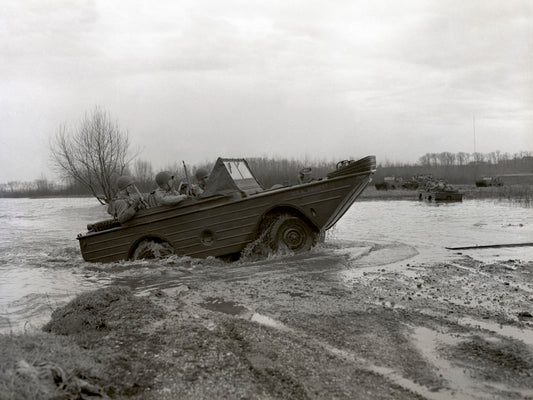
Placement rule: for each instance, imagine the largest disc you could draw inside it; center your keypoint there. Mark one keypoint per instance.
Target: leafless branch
(93, 153)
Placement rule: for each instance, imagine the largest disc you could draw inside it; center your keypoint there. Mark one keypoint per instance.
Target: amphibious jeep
(232, 212)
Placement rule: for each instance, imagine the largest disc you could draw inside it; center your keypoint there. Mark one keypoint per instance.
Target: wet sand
(327, 324)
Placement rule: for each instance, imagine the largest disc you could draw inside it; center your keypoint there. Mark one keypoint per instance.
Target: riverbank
(522, 194)
(313, 326)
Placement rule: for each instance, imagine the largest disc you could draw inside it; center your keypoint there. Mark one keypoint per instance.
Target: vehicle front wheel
(149, 248)
(291, 233)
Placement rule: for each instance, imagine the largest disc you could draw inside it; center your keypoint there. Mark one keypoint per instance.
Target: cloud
(202, 78)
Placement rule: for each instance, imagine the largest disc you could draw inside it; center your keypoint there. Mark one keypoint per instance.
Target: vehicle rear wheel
(150, 248)
(291, 233)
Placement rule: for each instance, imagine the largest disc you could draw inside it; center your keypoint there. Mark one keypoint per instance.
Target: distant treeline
(41, 188)
(459, 168)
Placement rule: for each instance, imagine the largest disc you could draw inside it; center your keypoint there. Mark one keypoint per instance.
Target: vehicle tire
(150, 248)
(291, 233)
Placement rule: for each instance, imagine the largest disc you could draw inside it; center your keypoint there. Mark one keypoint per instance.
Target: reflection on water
(41, 266)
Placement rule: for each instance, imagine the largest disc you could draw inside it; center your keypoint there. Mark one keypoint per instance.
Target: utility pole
(474, 122)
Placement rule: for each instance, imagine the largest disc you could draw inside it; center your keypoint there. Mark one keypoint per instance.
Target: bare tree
(42, 185)
(449, 158)
(425, 160)
(478, 157)
(463, 158)
(446, 158)
(434, 159)
(143, 171)
(13, 185)
(92, 154)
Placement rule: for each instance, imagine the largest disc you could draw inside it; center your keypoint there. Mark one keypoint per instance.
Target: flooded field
(41, 267)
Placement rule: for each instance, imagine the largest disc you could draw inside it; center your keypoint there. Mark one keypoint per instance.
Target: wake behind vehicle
(234, 211)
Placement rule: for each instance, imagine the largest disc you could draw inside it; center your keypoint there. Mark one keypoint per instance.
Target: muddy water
(430, 227)
(41, 267)
(40, 263)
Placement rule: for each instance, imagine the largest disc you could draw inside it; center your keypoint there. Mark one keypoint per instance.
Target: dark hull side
(441, 196)
(224, 225)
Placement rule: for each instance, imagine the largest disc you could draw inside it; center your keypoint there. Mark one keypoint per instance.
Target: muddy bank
(328, 324)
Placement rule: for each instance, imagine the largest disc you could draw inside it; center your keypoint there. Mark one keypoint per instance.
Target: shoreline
(517, 193)
(315, 325)
(521, 192)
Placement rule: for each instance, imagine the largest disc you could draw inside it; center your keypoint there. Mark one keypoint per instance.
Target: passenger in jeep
(128, 201)
(165, 193)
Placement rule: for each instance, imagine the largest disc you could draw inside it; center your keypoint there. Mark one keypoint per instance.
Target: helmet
(201, 174)
(163, 177)
(124, 181)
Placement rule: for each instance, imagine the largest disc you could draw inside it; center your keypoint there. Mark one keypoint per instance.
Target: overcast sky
(194, 80)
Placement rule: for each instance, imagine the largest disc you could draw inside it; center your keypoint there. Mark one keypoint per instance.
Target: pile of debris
(438, 185)
(413, 183)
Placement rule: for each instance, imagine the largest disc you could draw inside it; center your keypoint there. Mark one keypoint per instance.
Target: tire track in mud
(459, 384)
(321, 262)
(390, 375)
(435, 346)
(427, 341)
(288, 287)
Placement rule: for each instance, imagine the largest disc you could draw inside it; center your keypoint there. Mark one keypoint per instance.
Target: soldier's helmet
(201, 174)
(124, 181)
(163, 177)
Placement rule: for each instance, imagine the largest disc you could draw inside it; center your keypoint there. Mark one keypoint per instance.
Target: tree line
(92, 155)
(270, 171)
(42, 187)
(460, 168)
(447, 159)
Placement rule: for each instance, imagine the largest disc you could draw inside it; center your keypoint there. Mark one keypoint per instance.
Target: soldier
(127, 203)
(196, 188)
(201, 177)
(165, 194)
(304, 176)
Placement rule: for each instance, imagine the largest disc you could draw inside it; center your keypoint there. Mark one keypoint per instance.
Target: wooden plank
(490, 246)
